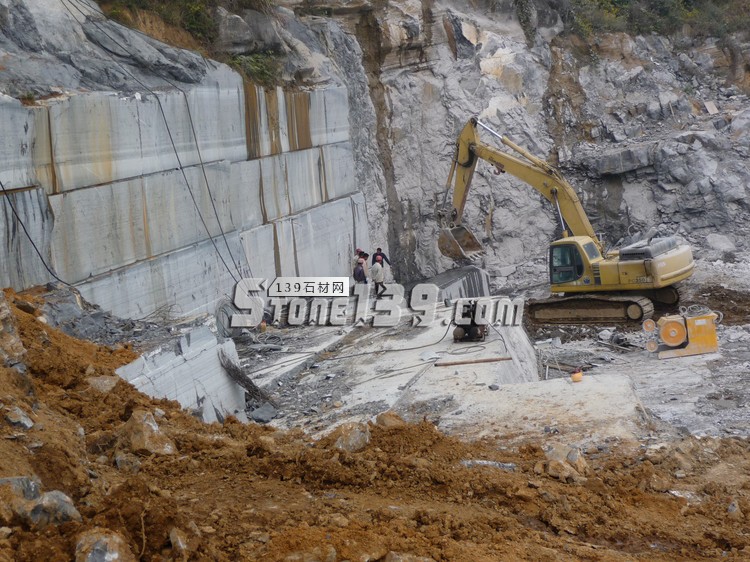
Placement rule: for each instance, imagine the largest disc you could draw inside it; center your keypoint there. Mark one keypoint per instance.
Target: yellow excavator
(588, 284)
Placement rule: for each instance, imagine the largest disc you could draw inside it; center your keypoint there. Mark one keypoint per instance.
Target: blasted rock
(52, 508)
(389, 419)
(720, 243)
(127, 462)
(102, 545)
(18, 418)
(142, 436)
(103, 384)
(264, 414)
(23, 486)
(571, 456)
(351, 437)
(318, 554)
(179, 541)
(623, 160)
(11, 348)
(461, 46)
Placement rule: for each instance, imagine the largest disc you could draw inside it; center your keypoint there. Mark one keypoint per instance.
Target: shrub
(262, 68)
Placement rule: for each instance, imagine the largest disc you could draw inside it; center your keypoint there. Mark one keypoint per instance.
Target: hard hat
(378, 258)
(358, 251)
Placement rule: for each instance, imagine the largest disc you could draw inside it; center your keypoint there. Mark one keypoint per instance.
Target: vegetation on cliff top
(703, 18)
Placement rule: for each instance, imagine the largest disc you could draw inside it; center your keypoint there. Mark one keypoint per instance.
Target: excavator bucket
(458, 243)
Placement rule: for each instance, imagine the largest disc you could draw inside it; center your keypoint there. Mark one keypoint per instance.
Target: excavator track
(590, 308)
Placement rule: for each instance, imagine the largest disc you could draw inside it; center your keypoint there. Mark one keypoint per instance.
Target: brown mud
(247, 492)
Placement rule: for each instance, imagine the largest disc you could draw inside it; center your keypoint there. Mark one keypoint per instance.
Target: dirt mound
(246, 492)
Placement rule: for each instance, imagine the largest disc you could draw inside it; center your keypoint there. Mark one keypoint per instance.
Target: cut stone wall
(271, 180)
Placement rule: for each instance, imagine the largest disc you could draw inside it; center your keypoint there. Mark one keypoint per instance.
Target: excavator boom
(528, 168)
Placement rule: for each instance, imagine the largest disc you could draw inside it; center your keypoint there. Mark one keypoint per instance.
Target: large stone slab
(102, 228)
(98, 229)
(191, 374)
(329, 116)
(179, 213)
(188, 281)
(260, 251)
(324, 240)
(25, 157)
(304, 174)
(103, 137)
(340, 179)
(244, 181)
(20, 265)
(274, 195)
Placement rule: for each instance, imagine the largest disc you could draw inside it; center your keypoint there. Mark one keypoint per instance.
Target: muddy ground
(248, 492)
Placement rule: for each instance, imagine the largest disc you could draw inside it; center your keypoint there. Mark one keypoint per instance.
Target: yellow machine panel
(680, 335)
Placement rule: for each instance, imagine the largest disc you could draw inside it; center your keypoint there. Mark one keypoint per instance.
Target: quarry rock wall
(165, 198)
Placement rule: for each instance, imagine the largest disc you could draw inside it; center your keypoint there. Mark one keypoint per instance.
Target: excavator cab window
(566, 264)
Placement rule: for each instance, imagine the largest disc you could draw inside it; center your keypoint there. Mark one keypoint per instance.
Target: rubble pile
(89, 467)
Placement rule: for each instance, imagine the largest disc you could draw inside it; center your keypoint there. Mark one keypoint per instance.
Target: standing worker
(379, 253)
(377, 274)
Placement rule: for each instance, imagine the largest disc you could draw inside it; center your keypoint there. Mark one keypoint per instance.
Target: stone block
(192, 375)
(304, 174)
(340, 179)
(20, 266)
(25, 153)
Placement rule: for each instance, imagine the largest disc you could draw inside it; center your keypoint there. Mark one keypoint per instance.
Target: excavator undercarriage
(590, 308)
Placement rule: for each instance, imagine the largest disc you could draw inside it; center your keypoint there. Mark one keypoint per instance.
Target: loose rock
(102, 545)
(142, 436)
(351, 437)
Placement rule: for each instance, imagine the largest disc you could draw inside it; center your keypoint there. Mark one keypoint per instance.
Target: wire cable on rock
(28, 235)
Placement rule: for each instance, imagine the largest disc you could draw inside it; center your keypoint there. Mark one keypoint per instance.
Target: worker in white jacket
(377, 274)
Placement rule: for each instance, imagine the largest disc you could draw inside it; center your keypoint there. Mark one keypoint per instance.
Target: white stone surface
(188, 281)
(324, 240)
(104, 137)
(361, 227)
(340, 177)
(24, 145)
(103, 228)
(259, 247)
(171, 218)
(244, 182)
(464, 282)
(401, 376)
(258, 135)
(98, 229)
(193, 376)
(329, 116)
(274, 195)
(285, 247)
(20, 266)
(304, 175)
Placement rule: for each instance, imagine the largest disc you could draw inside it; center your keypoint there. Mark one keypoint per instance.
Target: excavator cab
(458, 243)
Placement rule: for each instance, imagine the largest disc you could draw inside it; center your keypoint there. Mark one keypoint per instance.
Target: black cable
(171, 140)
(23, 226)
(502, 338)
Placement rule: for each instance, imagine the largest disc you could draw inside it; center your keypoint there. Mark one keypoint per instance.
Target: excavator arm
(528, 168)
